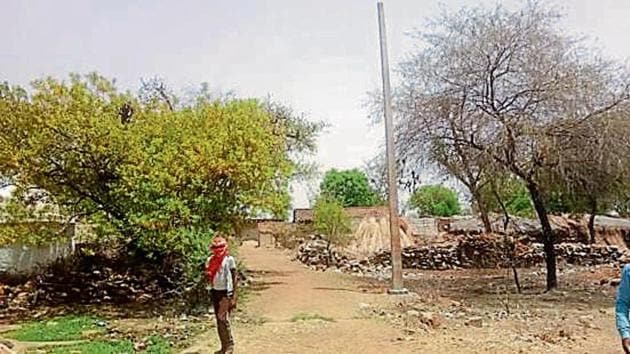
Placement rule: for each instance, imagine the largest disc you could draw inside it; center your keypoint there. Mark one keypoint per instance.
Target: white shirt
(223, 279)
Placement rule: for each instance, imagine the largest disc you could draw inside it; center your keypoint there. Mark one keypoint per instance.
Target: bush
(435, 200)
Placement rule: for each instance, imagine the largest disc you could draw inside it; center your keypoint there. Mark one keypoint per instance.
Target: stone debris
(483, 251)
(474, 321)
(86, 281)
(432, 319)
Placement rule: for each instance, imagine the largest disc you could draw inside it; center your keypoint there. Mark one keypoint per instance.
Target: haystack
(371, 235)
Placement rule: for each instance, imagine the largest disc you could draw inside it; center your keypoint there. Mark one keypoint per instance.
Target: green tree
(350, 187)
(435, 200)
(152, 171)
(333, 223)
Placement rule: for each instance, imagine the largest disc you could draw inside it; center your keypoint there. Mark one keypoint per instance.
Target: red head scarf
(219, 248)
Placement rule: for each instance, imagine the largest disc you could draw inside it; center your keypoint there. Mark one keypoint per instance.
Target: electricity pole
(394, 228)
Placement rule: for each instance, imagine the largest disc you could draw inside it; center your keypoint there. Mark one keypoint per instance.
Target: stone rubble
(85, 281)
(484, 251)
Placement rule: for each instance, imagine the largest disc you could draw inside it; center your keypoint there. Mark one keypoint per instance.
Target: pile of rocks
(425, 257)
(471, 252)
(574, 253)
(85, 280)
(484, 251)
(314, 252)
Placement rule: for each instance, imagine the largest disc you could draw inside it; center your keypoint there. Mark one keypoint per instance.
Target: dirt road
(292, 309)
(297, 310)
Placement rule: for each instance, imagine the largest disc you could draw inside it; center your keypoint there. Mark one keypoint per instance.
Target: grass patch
(311, 317)
(96, 347)
(66, 328)
(155, 345)
(158, 345)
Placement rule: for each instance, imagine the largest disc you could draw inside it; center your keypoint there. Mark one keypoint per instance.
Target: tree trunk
(516, 281)
(510, 245)
(591, 219)
(483, 212)
(506, 214)
(548, 237)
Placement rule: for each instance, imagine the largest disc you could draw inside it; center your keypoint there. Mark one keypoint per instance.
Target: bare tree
(511, 87)
(470, 166)
(408, 175)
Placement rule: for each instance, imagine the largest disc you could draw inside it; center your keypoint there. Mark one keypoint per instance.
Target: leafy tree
(349, 187)
(436, 200)
(331, 220)
(151, 171)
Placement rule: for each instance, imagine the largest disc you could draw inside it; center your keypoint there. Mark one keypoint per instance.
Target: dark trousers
(223, 325)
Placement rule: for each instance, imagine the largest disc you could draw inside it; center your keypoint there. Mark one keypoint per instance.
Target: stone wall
(18, 259)
(248, 231)
(470, 252)
(268, 231)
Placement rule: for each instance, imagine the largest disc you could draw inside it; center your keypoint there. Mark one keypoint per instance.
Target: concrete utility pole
(394, 228)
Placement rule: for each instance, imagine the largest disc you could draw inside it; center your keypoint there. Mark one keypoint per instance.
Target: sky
(321, 57)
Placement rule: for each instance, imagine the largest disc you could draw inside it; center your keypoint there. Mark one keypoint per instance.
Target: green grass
(97, 347)
(66, 328)
(155, 345)
(71, 328)
(159, 345)
(311, 317)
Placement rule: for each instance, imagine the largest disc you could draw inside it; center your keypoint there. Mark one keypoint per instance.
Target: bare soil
(354, 315)
(578, 318)
(283, 291)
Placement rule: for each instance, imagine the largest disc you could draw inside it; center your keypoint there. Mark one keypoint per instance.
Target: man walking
(622, 307)
(222, 274)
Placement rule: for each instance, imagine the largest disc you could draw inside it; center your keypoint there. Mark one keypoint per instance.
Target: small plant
(300, 317)
(333, 223)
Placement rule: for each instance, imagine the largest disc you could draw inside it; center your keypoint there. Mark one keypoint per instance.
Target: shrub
(333, 223)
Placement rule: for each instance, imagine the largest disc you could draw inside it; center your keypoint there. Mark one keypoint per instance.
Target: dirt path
(285, 293)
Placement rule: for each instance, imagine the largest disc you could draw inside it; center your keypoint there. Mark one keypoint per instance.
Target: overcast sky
(321, 57)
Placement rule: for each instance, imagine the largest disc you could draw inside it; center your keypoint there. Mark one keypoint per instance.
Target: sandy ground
(579, 319)
(284, 290)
